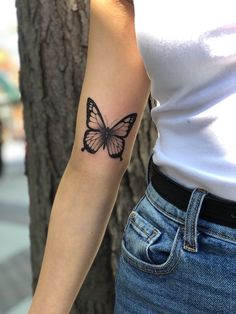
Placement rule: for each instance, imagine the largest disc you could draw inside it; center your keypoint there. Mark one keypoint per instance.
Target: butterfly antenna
(105, 118)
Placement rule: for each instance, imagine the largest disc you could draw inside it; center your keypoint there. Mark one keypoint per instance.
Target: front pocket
(146, 244)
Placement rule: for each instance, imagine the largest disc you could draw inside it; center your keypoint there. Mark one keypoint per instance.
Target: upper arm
(115, 79)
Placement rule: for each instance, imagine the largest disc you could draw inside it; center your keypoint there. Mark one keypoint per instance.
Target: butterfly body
(99, 134)
(105, 136)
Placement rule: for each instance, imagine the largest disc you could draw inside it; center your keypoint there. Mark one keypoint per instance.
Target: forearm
(78, 220)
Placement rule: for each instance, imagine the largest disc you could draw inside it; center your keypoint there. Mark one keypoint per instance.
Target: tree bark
(53, 46)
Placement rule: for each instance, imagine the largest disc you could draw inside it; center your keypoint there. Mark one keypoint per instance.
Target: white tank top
(189, 51)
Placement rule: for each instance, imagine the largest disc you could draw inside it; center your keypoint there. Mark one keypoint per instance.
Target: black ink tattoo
(99, 134)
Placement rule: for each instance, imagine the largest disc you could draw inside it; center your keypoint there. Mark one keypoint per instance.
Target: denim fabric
(174, 262)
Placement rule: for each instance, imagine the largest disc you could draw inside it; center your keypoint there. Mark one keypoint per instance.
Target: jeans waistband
(189, 217)
(213, 208)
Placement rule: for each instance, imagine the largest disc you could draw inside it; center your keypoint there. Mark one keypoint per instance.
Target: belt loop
(148, 174)
(191, 219)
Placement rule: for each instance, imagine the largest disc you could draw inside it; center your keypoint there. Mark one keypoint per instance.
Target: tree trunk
(53, 46)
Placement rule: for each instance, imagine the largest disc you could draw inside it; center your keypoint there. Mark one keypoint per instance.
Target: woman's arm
(116, 81)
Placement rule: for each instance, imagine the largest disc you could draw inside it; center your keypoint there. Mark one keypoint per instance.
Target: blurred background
(15, 269)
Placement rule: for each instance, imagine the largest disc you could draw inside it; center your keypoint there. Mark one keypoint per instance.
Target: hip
(172, 262)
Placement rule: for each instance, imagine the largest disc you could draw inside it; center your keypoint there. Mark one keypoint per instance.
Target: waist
(212, 172)
(214, 209)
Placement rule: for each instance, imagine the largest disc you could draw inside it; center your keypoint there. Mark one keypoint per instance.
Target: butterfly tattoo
(99, 134)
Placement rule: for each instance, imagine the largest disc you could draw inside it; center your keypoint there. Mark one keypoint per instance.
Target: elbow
(97, 166)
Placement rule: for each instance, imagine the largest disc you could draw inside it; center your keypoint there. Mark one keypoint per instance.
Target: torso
(189, 51)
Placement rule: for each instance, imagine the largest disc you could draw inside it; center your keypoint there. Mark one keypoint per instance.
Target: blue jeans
(174, 262)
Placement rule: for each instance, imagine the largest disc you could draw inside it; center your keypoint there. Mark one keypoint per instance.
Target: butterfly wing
(93, 140)
(93, 137)
(115, 146)
(123, 127)
(115, 142)
(94, 119)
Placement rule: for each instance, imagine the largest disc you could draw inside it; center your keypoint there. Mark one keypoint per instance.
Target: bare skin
(115, 76)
